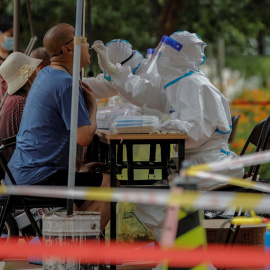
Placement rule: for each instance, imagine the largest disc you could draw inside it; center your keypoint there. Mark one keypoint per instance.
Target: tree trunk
(260, 40)
(221, 61)
(167, 20)
(154, 8)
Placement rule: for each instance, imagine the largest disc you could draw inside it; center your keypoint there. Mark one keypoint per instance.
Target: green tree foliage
(233, 20)
(237, 21)
(143, 22)
(45, 14)
(128, 20)
(6, 7)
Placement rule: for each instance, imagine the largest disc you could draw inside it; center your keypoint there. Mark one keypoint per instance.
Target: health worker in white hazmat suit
(195, 105)
(131, 83)
(197, 108)
(119, 51)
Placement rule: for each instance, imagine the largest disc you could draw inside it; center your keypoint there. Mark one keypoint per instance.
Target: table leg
(130, 162)
(181, 153)
(165, 151)
(103, 153)
(113, 184)
(119, 162)
(152, 157)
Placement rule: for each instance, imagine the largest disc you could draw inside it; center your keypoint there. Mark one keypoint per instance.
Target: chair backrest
(259, 137)
(255, 137)
(235, 120)
(3, 162)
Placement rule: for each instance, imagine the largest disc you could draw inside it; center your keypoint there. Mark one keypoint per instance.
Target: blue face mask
(8, 43)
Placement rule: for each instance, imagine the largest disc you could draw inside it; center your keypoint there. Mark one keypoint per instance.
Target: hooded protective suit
(119, 51)
(197, 108)
(136, 86)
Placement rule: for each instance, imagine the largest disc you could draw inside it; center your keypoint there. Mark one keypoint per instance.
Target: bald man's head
(41, 53)
(56, 37)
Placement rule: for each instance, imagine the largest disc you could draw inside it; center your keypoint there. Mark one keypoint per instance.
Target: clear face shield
(165, 44)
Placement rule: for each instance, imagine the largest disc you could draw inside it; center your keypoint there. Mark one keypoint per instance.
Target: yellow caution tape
(248, 201)
(199, 167)
(99, 194)
(186, 198)
(240, 182)
(192, 234)
(246, 220)
(215, 200)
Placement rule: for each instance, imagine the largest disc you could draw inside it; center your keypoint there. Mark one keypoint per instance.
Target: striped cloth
(10, 120)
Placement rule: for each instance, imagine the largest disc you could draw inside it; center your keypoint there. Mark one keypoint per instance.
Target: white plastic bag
(104, 115)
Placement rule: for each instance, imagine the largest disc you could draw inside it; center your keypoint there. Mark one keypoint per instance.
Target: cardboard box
(248, 235)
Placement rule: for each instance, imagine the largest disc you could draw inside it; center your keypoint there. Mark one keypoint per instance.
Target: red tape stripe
(118, 253)
(254, 103)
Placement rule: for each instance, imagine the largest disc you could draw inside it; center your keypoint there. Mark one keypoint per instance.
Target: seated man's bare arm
(85, 134)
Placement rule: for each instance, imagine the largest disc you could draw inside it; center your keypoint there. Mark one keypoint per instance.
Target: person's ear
(67, 49)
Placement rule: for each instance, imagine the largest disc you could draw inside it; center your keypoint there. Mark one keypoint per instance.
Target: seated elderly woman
(19, 71)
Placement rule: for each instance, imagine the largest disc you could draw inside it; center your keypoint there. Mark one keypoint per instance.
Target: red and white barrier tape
(246, 160)
(240, 182)
(196, 199)
(93, 252)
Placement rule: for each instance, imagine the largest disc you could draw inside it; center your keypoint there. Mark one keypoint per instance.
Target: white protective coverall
(200, 110)
(196, 107)
(130, 81)
(119, 51)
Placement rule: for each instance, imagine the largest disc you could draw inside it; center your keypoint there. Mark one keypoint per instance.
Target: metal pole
(33, 38)
(83, 19)
(90, 38)
(74, 104)
(16, 25)
(30, 17)
(83, 32)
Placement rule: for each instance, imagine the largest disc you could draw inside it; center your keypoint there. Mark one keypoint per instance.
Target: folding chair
(259, 137)
(235, 120)
(11, 203)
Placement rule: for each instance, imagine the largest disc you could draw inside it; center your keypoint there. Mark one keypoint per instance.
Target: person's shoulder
(197, 83)
(54, 76)
(44, 72)
(196, 79)
(203, 85)
(14, 100)
(15, 97)
(48, 70)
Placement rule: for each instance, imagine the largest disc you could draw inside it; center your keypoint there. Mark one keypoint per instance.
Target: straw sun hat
(17, 69)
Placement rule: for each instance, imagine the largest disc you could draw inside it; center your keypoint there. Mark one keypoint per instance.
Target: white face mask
(8, 43)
